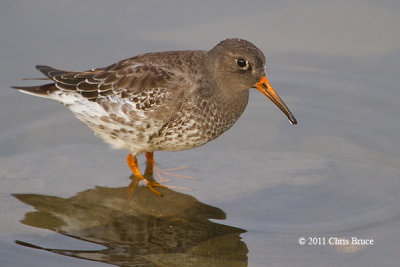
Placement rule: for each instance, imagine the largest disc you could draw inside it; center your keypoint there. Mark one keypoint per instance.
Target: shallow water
(258, 188)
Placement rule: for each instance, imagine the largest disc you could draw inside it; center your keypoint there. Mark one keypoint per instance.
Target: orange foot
(150, 168)
(133, 164)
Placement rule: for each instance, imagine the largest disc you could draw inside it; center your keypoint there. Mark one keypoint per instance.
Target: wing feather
(146, 86)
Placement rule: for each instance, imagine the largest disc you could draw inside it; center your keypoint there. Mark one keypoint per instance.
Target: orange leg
(160, 173)
(133, 164)
(150, 161)
(152, 167)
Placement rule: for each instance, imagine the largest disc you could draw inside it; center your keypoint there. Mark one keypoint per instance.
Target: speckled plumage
(163, 101)
(157, 101)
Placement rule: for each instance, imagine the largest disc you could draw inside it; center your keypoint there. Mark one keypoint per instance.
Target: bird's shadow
(144, 230)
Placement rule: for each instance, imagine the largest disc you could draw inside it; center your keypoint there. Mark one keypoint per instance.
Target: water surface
(258, 189)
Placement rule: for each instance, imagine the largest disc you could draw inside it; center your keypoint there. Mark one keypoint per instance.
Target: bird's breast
(201, 120)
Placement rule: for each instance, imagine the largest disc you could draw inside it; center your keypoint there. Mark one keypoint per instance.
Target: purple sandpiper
(165, 100)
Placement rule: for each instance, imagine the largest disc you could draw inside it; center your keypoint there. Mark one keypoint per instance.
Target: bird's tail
(41, 90)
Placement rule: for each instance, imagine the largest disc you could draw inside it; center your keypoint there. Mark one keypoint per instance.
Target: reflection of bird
(143, 231)
(163, 101)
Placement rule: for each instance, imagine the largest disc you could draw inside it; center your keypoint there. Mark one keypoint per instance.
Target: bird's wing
(124, 80)
(149, 88)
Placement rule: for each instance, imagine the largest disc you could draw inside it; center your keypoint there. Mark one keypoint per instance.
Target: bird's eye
(241, 62)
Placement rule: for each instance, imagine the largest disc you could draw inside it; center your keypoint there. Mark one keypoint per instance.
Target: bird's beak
(264, 87)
